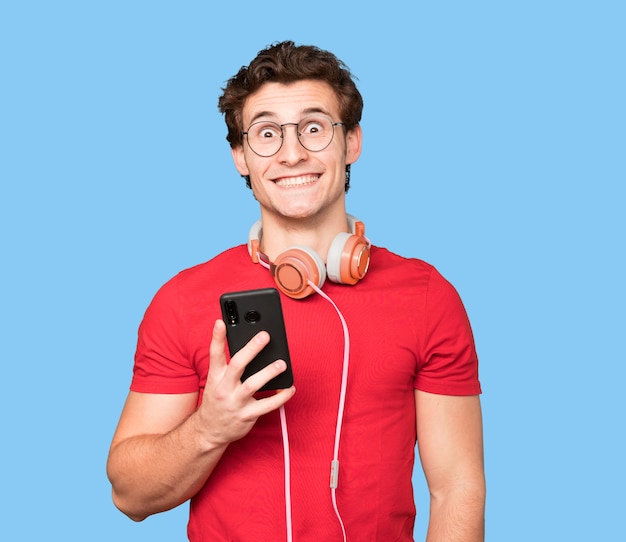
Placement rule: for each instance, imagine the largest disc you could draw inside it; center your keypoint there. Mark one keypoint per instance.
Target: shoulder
(388, 265)
(215, 269)
(186, 284)
(233, 256)
(202, 284)
(409, 277)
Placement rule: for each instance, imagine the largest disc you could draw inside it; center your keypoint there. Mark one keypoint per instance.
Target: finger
(217, 348)
(272, 402)
(255, 382)
(245, 355)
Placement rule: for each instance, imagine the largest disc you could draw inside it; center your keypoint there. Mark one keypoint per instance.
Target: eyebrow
(308, 111)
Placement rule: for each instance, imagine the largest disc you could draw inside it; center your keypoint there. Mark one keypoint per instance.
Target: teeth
(297, 181)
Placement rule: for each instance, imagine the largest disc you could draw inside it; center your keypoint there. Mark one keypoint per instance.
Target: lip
(297, 180)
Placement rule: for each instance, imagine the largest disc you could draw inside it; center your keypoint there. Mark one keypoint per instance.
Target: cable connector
(334, 473)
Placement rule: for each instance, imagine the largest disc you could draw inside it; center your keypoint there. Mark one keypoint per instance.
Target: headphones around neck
(347, 262)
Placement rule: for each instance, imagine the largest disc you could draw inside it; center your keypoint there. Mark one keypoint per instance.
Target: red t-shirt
(408, 330)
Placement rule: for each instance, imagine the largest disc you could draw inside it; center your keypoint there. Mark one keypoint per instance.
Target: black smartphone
(245, 314)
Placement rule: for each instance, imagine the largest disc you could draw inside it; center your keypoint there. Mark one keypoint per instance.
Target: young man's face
(296, 182)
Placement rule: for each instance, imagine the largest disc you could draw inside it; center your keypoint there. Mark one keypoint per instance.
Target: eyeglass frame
(282, 135)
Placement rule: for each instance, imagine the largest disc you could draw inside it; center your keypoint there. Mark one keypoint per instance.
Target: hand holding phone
(245, 314)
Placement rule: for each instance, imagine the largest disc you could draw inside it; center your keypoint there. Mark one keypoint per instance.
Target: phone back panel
(245, 314)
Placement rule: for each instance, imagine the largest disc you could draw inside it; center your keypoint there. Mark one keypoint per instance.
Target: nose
(291, 150)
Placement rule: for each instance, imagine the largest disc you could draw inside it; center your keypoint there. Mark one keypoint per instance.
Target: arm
(449, 434)
(165, 446)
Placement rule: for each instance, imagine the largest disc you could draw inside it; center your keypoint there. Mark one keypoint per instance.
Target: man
(190, 429)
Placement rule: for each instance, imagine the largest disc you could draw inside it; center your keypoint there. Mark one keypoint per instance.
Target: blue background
(494, 149)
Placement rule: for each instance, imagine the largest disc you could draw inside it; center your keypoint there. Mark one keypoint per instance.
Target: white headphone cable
(334, 468)
(283, 426)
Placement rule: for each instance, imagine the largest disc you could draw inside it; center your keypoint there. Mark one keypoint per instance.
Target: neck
(316, 233)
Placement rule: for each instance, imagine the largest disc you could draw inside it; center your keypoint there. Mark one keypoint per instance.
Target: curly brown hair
(285, 62)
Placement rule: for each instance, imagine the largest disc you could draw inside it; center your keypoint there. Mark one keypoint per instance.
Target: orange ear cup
(294, 268)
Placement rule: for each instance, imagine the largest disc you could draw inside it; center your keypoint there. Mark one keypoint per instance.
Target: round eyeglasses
(265, 138)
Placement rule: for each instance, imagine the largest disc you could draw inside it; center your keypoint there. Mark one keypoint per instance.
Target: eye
(265, 131)
(268, 132)
(313, 127)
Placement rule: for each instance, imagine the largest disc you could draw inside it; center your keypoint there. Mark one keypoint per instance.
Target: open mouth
(301, 180)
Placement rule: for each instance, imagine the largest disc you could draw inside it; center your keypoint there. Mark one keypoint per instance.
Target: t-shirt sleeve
(448, 363)
(162, 364)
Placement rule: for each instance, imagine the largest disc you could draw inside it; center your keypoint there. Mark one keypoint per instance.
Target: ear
(354, 140)
(240, 160)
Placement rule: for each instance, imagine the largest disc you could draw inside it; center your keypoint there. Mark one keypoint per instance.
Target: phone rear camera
(231, 313)
(252, 316)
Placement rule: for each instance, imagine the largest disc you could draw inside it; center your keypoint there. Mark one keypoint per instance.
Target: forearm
(458, 515)
(154, 473)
